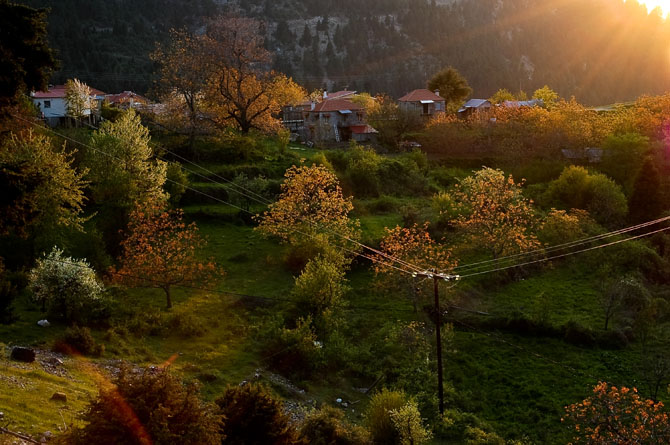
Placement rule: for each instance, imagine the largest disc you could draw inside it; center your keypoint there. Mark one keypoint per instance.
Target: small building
(523, 103)
(474, 106)
(53, 107)
(590, 155)
(337, 120)
(126, 100)
(423, 102)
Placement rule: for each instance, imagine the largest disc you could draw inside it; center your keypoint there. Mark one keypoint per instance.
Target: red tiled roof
(421, 94)
(58, 91)
(362, 129)
(336, 105)
(52, 93)
(124, 97)
(339, 94)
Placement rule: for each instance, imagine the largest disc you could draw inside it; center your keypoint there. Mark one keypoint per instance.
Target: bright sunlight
(651, 4)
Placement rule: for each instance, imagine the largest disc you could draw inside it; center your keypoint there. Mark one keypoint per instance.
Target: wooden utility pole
(437, 277)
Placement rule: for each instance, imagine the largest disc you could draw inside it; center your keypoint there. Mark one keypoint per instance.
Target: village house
(53, 107)
(423, 102)
(474, 106)
(126, 100)
(334, 119)
(338, 120)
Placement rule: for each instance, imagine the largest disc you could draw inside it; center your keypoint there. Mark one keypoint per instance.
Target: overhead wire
(562, 246)
(240, 208)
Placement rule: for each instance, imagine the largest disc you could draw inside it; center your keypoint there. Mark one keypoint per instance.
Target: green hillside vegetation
(223, 284)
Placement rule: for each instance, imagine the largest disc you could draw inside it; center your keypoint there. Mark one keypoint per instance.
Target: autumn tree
(40, 187)
(77, 99)
(453, 87)
(161, 251)
(311, 203)
(183, 74)
(242, 91)
(494, 214)
(415, 246)
(617, 415)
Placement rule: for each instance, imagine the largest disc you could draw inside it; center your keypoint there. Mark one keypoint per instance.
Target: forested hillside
(589, 49)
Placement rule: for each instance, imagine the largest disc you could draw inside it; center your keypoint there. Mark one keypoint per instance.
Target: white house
(51, 104)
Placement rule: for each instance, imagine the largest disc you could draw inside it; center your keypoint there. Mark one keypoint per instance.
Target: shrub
(78, 340)
(66, 287)
(254, 417)
(148, 405)
(176, 183)
(295, 352)
(408, 424)
(596, 193)
(380, 423)
(329, 427)
(579, 335)
(186, 325)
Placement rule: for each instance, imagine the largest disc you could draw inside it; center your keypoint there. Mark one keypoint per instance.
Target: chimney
(325, 94)
(437, 92)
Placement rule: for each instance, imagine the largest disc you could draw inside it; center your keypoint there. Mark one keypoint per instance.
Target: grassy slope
(519, 392)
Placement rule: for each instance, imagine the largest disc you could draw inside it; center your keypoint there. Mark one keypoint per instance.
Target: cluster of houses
(337, 118)
(52, 104)
(334, 118)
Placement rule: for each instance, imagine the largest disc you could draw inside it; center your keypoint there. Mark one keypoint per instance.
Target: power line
(562, 246)
(241, 209)
(565, 254)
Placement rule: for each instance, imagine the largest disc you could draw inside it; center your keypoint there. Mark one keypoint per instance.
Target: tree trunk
(168, 296)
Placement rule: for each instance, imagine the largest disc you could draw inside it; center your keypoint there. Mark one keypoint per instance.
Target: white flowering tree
(67, 287)
(77, 99)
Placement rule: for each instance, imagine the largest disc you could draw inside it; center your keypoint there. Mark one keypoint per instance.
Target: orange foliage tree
(495, 214)
(311, 203)
(617, 416)
(160, 251)
(242, 91)
(412, 245)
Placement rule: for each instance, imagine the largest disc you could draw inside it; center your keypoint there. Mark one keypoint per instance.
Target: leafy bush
(254, 417)
(78, 340)
(380, 423)
(329, 427)
(295, 352)
(579, 335)
(407, 421)
(596, 193)
(67, 288)
(148, 405)
(176, 182)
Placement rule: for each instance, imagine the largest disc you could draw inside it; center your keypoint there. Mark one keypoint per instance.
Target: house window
(47, 104)
(359, 115)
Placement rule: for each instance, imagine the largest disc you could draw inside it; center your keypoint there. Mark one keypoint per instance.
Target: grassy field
(517, 383)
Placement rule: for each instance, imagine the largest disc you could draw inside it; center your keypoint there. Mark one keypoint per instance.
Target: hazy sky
(651, 4)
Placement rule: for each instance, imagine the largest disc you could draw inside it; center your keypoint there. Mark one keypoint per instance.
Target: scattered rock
(59, 397)
(44, 323)
(22, 354)
(345, 404)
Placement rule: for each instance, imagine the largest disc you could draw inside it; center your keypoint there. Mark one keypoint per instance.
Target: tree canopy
(452, 85)
(26, 61)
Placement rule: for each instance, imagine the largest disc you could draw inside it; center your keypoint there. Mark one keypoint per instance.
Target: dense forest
(589, 49)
